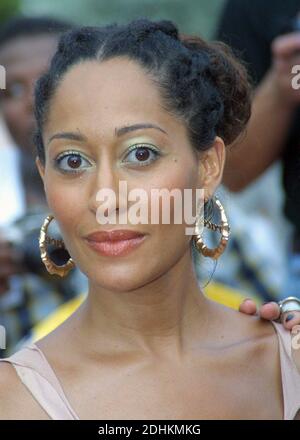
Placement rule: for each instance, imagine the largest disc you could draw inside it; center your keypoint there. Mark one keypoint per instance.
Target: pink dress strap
(37, 375)
(290, 374)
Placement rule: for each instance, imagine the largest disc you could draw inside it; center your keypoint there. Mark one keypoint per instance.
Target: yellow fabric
(226, 295)
(214, 291)
(56, 318)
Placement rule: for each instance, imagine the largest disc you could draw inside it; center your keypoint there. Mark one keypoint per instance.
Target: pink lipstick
(115, 243)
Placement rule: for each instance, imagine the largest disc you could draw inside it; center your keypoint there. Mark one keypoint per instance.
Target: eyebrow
(123, 130)
(68, 135)
(118, 132)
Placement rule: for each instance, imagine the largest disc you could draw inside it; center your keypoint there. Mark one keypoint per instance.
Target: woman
(137, 103)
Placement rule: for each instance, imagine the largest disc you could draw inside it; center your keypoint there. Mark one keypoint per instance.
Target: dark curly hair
(200, 82)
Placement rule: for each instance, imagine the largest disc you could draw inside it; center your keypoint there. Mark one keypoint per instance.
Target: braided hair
(200, 82)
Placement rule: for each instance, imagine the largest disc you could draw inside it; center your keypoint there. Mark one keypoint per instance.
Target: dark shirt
(249, 27)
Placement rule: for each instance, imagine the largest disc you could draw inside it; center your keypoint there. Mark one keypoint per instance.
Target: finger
(248, 307)
(290, 319)
(269, 311)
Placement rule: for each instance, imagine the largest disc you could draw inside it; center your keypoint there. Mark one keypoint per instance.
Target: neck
(167, 314)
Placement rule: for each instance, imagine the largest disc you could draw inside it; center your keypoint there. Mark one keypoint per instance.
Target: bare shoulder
(60, 347)
(16, 402)
(244, 328)
(258, 338)
(253, 347)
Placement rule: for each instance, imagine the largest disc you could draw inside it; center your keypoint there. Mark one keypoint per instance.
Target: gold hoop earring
(224, 229)
(44, 239)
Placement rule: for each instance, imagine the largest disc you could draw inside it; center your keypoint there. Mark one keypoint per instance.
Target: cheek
(170, 239)
(66, 200)
(177, 175)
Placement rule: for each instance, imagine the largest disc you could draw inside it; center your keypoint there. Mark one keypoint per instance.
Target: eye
(72, 162)
(142, 154)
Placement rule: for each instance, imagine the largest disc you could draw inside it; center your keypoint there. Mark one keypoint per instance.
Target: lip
(115, 243)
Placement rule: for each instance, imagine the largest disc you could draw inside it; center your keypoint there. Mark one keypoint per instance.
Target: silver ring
(289, 304)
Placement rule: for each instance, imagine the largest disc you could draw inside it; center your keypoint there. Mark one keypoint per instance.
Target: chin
(123, 279)
(121, 285)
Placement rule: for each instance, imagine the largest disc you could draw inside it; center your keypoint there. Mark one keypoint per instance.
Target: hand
(10, 264)
(271, 312)
(285, 54)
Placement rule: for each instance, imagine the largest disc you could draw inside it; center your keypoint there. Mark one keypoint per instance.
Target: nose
(104, 195)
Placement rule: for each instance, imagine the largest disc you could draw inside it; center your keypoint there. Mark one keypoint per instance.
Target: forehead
(27, 53)
(95, 94)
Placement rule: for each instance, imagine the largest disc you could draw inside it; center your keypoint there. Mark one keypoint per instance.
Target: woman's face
(92, 102)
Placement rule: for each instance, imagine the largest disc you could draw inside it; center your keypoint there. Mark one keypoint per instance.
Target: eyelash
(67, 154)
(153, 149)
(136, 147)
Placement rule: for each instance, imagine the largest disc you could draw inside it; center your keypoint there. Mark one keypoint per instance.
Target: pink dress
(37, 375)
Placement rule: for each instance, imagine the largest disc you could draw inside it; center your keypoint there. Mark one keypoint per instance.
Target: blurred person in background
(27, 293)
(266, 36)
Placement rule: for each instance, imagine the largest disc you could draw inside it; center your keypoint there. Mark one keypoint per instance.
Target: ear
(40, 167)
(211, 166)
